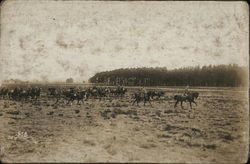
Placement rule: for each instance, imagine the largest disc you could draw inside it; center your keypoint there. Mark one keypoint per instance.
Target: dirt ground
(214, 131)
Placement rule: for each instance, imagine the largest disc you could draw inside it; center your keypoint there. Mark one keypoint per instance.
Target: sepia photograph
(124, 81)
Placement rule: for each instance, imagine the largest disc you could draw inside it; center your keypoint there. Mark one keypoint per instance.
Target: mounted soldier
(186, 91)
(142, 95)
(144, 91)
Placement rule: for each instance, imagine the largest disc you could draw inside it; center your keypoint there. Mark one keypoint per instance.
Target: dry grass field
(112, 130)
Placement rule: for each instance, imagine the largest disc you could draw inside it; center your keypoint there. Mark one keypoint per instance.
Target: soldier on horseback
(186, 91)
(143, 92)
(142, 95)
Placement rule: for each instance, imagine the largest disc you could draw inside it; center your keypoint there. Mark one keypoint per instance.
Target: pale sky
(55, 40)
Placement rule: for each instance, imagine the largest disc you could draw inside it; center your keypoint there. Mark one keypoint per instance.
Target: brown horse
(190, 98)
(138, 97)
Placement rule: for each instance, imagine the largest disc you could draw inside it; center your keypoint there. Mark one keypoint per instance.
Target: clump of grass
(164, 136)
(13, 112)
(89, 142)
(147, 146)
(210, 146)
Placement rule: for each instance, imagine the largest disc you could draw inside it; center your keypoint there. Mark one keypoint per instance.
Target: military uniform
(186, 92)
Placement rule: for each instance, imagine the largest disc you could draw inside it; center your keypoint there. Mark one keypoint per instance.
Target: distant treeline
(220, 76)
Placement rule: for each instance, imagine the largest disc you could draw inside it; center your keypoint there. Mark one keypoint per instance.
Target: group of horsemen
(78, 93)
(23, 93)
(19, 93)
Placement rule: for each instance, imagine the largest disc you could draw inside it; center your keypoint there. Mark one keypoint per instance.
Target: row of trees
(220, 75)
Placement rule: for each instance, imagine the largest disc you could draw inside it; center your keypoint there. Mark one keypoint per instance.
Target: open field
(112, 130)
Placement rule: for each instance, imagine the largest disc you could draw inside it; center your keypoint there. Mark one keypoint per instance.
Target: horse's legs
(194, 102)
(72, 101)
(176, 103)
(62, 100)
(150, 103)
(190, 102)
(68, 101)
(80, 99)
(181, 104)
(133, 102)
(57, 100)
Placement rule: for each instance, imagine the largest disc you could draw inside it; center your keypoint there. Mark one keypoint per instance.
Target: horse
(79, 96)
(72, 95)
(55, 93)
(34, 93)
(120, 91)
(123, 91)
(92, 92)
(14, 94)
(190, 98)
(142, 97)
(4, 93)
(23, 95)
(156, 94)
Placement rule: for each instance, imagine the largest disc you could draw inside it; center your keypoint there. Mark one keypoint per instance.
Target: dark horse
(138, 97)
(190, 98)
(71, 96)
